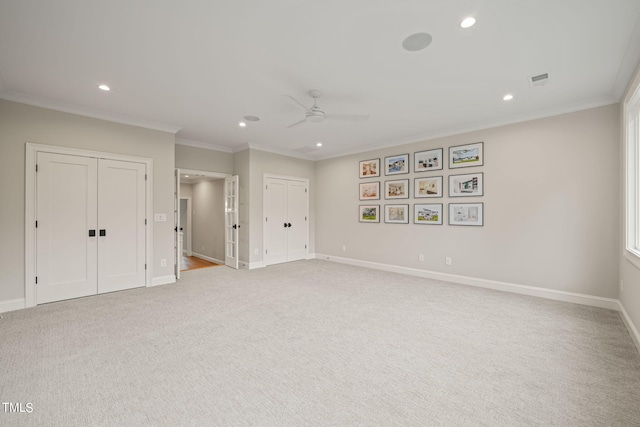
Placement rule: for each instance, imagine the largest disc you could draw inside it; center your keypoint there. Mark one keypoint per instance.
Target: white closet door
(121, 224)
(296, 231)
(275, 208)
(66, 204)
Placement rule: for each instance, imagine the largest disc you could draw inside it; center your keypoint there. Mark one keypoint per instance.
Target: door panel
(66, 209)
(121, 214)
(296, 234)
(275, 206)
(231, 221)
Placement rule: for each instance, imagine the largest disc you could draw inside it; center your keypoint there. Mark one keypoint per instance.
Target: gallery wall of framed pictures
(429, 181)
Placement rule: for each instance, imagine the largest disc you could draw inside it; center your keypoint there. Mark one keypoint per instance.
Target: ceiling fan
(314, 114)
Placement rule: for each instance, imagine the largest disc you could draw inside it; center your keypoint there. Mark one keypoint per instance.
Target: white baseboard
(594, 301)
(633, 331)
(254, 265)
(12, 305)
(206, 258)
(163, 280)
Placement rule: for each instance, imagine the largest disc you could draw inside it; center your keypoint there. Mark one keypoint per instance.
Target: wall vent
(539, 80)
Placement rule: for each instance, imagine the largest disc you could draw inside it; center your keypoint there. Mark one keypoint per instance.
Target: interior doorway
(200, 219)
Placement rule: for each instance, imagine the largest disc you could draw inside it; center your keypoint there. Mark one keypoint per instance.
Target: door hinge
(305, 190)
(36, 224)
(145, 221)
(145, 266)
(305, 218)
(266, 251)
(36, 280)
(36, 167)
(305, 246)
(145, 176)
(266, 219)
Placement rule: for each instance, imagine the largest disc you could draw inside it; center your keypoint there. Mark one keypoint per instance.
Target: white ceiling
(198, 66)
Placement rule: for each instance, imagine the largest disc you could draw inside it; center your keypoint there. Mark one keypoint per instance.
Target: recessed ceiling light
(507, 97)
(319, 144)
(242, 124)
(104, 87)
(468, 22)
(417, 41)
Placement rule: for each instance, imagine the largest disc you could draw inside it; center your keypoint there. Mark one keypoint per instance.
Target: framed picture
(370, 168)
(463, 156)
(468, 185)
(466, 214)
(396, 214)
(395, 165)
(370, 190)
(427, 214)
(369, 213)
(428, 187)
(398, 189)
(430, 160)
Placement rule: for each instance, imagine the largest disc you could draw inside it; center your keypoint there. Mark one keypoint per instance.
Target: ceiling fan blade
(297, 123)
(299, 103)
(347, 117)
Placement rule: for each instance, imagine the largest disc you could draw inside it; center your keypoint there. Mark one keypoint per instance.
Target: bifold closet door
(121, 220)
(66, 218)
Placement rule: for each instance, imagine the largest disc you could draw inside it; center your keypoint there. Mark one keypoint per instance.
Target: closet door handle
(288, 224)
(92, 233)
(103, 233)
(285, 225)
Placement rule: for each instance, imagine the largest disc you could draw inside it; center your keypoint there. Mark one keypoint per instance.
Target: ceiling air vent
(539, 80)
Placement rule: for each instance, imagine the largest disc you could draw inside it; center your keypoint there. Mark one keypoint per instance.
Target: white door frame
(179, 172)
(30, 208)
(266, 176)
(189, 248)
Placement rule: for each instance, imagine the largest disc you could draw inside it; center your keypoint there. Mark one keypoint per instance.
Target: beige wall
(550, 207)
(629, 273)
(207, 219)
(203, 160)
(21, 123)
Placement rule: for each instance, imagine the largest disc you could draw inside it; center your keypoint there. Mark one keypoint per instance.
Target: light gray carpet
(317, 343)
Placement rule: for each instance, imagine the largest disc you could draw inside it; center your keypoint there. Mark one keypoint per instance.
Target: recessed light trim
(468, 22)
(319, 144)
(417, 41)
(507, 97)
(104, 87)
(242, 124)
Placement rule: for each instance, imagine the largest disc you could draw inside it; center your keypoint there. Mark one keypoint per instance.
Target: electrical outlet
(447, 260)
(256, 251)
(344, 248)
(163, 262)
(621, 286)
(421, 257)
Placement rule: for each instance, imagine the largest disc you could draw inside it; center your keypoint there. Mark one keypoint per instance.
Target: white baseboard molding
(207, 258)
(254, 265)
(12, 305)
(633, 331)
(594, 301)
(163, 280)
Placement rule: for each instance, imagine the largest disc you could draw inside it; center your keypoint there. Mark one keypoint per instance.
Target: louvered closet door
(66, 212)
(121, 218)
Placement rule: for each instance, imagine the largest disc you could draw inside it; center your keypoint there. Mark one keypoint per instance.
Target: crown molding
(82, 111)
(285, 153)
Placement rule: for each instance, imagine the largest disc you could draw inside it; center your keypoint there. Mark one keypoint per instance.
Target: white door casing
(286, 219)
(231, 221)
(35, 274)
(176, 208)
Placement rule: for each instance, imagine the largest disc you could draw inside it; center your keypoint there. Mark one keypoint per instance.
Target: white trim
(590, 300)
(12, 305)
(32, 150)
(83, 111)
(207, 258)
(633, 331)
(254, 265)
(220, 175)
(163, 280)
(632, 258)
